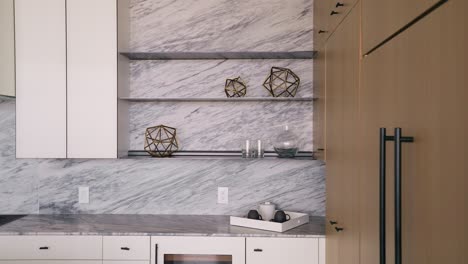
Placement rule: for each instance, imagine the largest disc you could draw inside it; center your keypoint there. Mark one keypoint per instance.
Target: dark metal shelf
(219, 55)
(236, 99)
(187, 154)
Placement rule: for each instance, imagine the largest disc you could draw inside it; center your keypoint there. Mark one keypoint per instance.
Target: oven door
(197, 250)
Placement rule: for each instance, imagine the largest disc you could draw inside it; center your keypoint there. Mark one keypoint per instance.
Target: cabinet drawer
(50, 247)
(282, 250)
(126, 248)
(124, 262)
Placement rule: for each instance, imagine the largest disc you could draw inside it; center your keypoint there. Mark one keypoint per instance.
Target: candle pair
(252, 151)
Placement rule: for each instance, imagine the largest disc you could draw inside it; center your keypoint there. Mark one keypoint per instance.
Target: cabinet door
(342, 144)
(40, 79)
(321, 30)
(207, 250)
(282, 250)
(7, 48)
(382, 18)
(337, 11)
(418, 82)
(319, 105)
(92, 78)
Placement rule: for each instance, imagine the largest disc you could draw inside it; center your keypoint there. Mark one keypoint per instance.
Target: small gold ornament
(282, 82)
(235, 87)
(161, 141)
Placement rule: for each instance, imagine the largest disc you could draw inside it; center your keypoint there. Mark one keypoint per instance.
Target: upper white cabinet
(92, 78)
(7, 48)
(41, 102)
(66, 63)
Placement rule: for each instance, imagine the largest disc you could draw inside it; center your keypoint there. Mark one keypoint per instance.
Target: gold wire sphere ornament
(235, 87)
(161, 141)
(282, 82)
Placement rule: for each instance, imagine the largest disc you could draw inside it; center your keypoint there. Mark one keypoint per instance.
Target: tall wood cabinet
(342, 91)
(417, 82)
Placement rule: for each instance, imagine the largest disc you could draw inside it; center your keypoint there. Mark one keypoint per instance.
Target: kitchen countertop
(148, 225)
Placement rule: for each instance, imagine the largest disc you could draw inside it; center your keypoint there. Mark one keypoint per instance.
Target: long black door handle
(156, 254)
(382, 194)
(399, 139)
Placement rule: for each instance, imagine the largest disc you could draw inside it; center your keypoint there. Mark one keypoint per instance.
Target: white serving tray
(297, 219)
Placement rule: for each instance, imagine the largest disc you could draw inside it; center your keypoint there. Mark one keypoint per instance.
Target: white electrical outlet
(83, 195)
(223, 195)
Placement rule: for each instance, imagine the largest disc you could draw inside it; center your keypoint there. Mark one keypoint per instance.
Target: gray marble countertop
(154, 225)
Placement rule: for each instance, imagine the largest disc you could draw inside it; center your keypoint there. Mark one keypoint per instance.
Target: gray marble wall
(151, 186)
(218, 25)
(181, 186)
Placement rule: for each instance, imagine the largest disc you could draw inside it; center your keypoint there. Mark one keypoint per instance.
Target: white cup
(267, 211)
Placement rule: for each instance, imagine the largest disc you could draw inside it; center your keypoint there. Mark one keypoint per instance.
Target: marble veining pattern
(222, 125)
(163, 225)
(151, 186)
(206, 78)
(221, 25)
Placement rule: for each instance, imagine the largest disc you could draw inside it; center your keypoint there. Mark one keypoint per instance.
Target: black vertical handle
(382, 195)
(156, 254)
(399, 139)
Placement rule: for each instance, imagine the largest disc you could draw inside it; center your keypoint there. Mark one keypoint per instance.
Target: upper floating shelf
(219, 55)
(234, 99)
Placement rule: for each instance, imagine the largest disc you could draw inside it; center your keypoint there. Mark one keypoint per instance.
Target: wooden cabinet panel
(418, 82)
(337, 11)
(382, 18)
(319, 105)
(321, 30)
(40, 79)
(282, 250)
(342, 98)
(92, 78)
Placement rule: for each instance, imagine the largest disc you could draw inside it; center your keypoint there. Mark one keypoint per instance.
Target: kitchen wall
(151, 186)
(188, 186)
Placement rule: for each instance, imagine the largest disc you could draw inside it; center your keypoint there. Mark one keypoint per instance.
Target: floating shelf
(235, 99)
(187, 154)
(218, 55)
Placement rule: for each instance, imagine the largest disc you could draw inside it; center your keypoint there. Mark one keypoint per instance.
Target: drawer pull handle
(338, 4)
(43, 248)
(333, 13)
(322, 31)
(339, 229)
(125, 248)
(258, 250)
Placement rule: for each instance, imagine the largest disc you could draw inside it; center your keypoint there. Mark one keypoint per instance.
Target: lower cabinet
(206, 250)
(282, 250)
(160, 250)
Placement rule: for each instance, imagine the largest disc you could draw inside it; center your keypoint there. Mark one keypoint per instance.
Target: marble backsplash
(151, 186)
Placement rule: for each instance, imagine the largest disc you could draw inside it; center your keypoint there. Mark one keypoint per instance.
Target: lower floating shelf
(188, 154)
(237, 99)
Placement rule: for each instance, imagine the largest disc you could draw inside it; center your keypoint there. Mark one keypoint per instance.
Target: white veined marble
(221, 25)
(206, 78)
(152, 186)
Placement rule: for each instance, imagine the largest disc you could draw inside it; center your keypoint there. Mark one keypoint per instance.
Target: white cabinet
(135, 248)
(50, 248)
(40, 79)
(282, 250)
(7, 48)
(198, 249)
(92, 78)
(66, 76)
(54, 262)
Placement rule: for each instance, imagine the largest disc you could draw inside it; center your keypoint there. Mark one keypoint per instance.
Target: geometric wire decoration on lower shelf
(282, 82)
(161, 141)
(235, 87)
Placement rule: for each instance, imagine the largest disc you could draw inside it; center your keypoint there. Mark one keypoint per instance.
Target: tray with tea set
(295, 220)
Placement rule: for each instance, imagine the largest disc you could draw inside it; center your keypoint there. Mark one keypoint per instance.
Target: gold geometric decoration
(235, 88)
(161, 141)
(282, 82)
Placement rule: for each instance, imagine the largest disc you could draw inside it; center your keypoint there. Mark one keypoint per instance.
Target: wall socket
(223, 195)
(83, 195)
